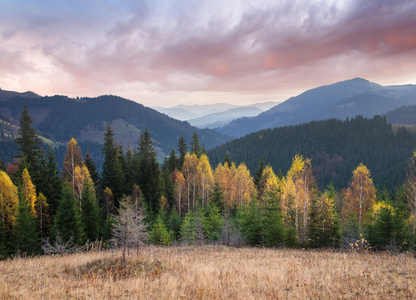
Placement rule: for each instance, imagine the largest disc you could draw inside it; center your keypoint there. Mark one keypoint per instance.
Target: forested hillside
(405, 115)
(335, 146)
(59, 118)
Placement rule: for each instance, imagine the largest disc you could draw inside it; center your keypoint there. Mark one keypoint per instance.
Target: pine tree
(150, 176)
(90, 214)
(159, 234)
(67, 222)
(192, 229)
(217, 197)
(26, 238)
(51, 186)
(227, 158)
(29, 143)
(195, 147)
(92, 169)
(271, 222)
(250, 223)
(182, 149)
(174, 223)
(112, 175)
(213, 224)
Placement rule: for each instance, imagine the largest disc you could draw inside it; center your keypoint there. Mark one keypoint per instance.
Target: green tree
(250, 223)
(26, 238)
(227, 158)
(174, 223)
(92, 169)
(182, 148)
(192, 232)
(112, 175)
(272, 223)
(213, 224)
(67, 222)
(195, 147)
(149, 177)
(324, 228)
(90, 214)
(159, 234)
(29, 143)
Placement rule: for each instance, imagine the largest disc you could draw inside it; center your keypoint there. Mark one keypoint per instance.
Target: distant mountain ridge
(339, 100)
(60, 117)
(218, 112)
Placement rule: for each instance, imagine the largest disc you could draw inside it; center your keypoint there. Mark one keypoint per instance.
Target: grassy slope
(213, 273)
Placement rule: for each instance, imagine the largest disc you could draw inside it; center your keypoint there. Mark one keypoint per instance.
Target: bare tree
(129, 228)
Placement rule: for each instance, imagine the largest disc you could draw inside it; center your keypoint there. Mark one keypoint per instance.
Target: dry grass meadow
(210, 273)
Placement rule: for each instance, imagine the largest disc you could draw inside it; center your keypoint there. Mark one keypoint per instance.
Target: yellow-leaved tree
(207, 178)
(268, 185)
(360, 195)
(73, 158)
(191, 171)
(245, 187)
(28, 192)
(297, 191)
(9, 202)
(81, 179)
(179, 190)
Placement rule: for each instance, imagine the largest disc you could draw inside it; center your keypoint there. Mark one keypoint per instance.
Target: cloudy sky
(166, 52)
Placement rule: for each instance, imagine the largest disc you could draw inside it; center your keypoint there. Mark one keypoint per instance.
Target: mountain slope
(326, 102)
(336, 147)
(405, 115)
(59, 117)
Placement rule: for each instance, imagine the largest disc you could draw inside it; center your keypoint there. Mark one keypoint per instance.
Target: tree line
(134, 200)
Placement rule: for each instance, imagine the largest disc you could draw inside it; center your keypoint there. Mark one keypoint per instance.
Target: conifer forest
(135, 200)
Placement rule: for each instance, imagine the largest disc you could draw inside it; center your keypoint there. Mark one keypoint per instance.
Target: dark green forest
(335, 147)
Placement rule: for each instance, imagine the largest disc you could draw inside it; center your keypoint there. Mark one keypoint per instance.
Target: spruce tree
(182, 149)
(112, 175)
(272, 224)
(149, 177)
(250, 223)
(26, 237)
(90, 214)
(52, 183)
(195, 147)
(92, 168)
(29, 143)
(213, 224)
(159, 234)
(227, 159)
(67, 221)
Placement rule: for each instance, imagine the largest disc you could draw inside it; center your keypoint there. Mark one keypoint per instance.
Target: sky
(168, 52)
